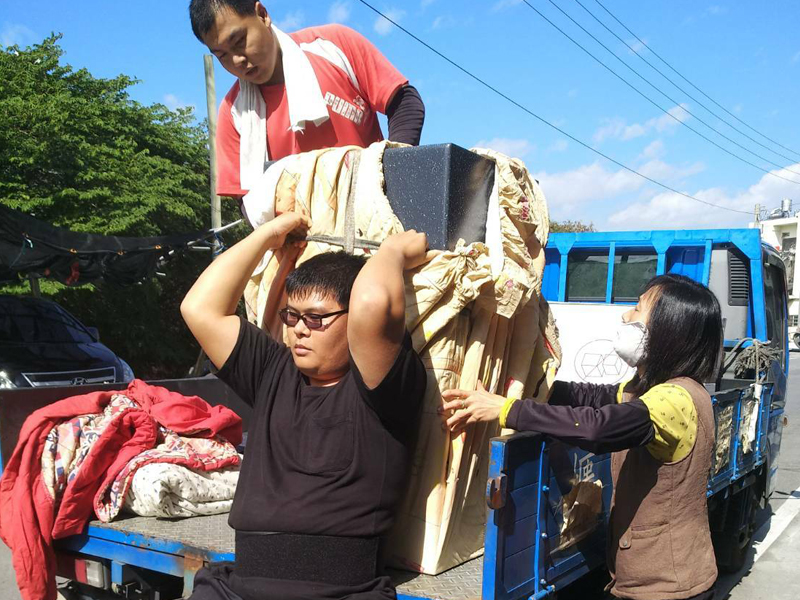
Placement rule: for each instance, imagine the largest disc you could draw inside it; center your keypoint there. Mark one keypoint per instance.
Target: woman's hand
(470, 407)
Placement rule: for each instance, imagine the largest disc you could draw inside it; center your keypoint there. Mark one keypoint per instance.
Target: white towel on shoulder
(306, 105)
(249, 111)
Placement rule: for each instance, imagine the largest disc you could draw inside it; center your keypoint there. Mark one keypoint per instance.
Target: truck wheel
(732, 543)
(796, 340)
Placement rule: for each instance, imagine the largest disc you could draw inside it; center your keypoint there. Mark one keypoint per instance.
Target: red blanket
(30, 518)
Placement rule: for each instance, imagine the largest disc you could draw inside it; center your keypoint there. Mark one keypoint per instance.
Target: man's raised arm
(376, 319)
(209, 308)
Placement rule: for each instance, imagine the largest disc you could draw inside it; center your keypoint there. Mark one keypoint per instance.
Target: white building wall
(773, 232)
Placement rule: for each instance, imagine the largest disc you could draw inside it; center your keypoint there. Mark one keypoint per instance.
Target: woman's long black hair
(685, 333)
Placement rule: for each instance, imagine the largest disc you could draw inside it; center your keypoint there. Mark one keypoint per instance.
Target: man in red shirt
(319, 87)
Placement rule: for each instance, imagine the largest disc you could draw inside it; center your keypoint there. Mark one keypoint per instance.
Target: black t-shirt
(320, 460)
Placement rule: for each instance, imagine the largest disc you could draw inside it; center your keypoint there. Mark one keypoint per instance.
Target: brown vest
(659, 541)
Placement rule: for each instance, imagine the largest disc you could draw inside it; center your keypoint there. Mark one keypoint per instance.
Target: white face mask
(630, 342)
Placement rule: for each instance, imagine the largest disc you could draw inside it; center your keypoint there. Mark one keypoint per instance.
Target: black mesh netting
(31, 247)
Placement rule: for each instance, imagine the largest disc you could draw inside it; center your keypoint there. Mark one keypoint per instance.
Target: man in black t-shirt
(333, 415)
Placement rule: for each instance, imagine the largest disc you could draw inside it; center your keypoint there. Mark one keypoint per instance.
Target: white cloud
(618, 128)
(443, 21)
(716, 9)
(516, 148)
(667, 210)
(618, 199)
(572, 93)
(654, 149)
(558, 146)
(339, 12)
(668, 121)
(595, 183)
(588, 183)
(383, 26)
(292, 21)
(172, 102)
(796, 57)
(17, 35)
(633, 131)
(637, 46)
(426, 3)
(503, 4)
(661, 171)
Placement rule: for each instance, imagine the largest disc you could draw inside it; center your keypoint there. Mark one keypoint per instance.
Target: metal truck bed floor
(210, 534)
(460, 583)
(211, 537)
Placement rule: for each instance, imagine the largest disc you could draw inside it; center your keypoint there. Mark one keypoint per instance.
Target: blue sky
(745, 55)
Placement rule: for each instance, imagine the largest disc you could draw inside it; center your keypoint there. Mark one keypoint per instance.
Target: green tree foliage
(76, 151)
(570, 226)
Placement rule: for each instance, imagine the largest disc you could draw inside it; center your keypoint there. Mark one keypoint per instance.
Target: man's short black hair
(330, 274)
(203, 13)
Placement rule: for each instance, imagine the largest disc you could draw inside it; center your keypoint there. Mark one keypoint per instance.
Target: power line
(660, 72)
(795, 152)
(543, 120)
(653, 102)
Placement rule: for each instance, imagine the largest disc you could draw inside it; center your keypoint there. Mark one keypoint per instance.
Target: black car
(41, 344)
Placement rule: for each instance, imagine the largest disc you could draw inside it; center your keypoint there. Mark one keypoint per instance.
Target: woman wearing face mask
(659, 427)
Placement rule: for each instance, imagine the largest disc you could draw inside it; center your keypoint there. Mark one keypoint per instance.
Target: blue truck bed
(179, 547)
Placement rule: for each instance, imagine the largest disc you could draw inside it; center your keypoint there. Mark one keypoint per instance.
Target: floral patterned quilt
(70, 443)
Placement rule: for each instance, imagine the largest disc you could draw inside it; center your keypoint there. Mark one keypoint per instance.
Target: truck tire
(732, 543)
(796, 340)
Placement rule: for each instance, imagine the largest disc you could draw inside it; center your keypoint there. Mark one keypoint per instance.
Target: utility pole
(36, 291)
(757, 214)
(211, 106)
(216, 214)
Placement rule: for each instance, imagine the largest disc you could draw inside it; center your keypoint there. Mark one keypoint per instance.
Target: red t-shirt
(353, 118)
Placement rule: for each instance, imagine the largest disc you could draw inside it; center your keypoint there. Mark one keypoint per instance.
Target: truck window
(587, 274)
(632, 270)
(775, 301)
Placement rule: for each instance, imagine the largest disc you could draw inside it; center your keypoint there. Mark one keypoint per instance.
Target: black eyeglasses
(290, 318)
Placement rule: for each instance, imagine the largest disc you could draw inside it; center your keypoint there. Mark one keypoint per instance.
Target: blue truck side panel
(526, 554)
(552, 268)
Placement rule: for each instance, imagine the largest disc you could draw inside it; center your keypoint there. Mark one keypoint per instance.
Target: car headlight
(127, 372)
(5, 381)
